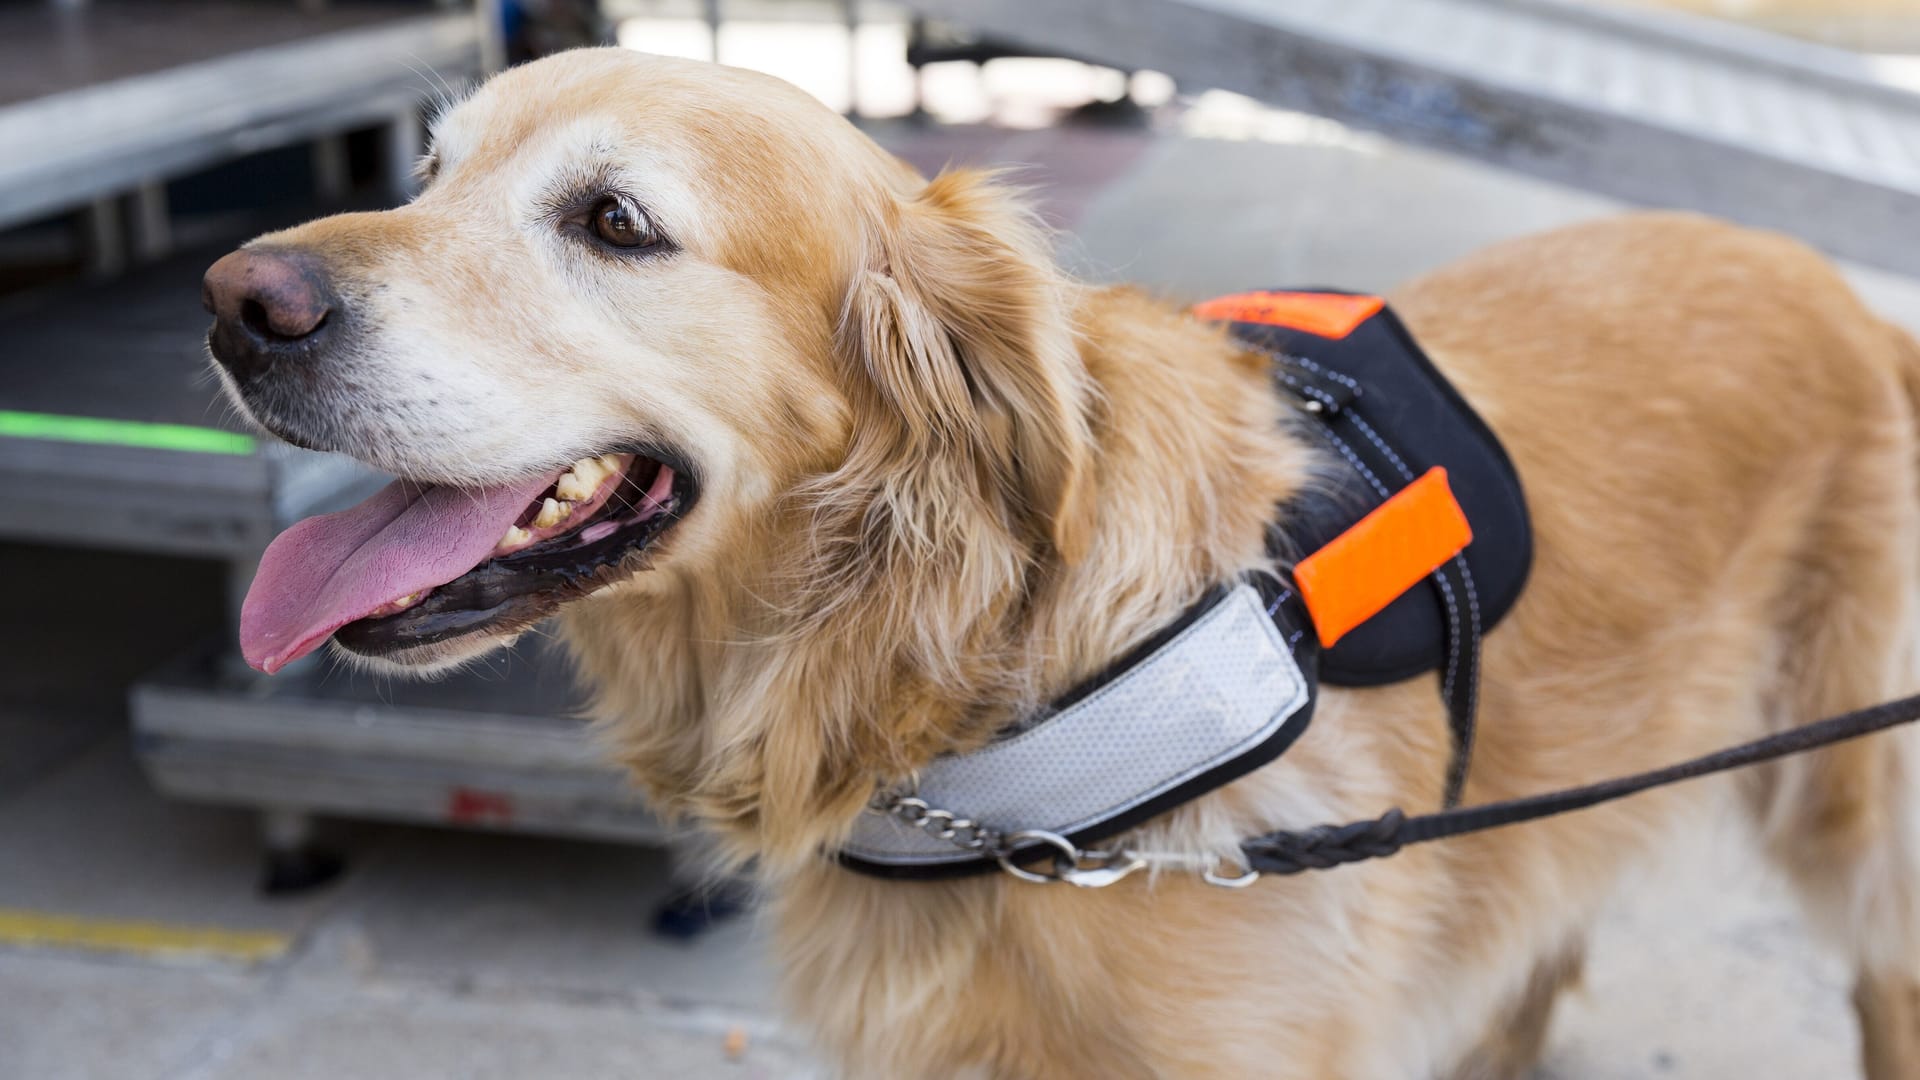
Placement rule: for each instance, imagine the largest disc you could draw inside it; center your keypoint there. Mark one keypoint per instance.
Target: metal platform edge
(167, 501)
(202, 742)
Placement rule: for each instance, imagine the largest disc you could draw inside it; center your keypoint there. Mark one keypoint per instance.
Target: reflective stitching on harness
(1354, 460)
(1473, 612)
(1374, 437)
(1314, 392)
(1453, 641)
(1285, 595)
(1336, 376)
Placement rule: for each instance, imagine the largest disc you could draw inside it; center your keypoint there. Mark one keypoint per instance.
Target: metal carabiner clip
(1086, 869)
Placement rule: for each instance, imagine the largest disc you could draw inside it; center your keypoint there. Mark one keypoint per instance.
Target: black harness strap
(1327, 396)
(1326, 846)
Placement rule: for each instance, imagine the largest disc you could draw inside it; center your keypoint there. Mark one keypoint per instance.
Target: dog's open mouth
(414, 565)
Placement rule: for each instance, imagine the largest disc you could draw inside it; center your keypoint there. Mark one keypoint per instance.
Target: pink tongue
(327, 571)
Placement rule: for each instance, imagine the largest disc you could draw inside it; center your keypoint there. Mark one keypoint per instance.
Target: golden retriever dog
(825, 469)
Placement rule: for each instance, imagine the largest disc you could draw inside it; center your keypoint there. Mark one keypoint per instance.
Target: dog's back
(1718, 442)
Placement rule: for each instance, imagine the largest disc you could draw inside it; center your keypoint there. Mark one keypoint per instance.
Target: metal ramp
(1641, 105)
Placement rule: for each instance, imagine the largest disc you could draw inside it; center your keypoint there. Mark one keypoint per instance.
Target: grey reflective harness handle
(1326, 846)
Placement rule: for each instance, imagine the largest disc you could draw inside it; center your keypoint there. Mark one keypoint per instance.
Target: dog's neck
(773, 722)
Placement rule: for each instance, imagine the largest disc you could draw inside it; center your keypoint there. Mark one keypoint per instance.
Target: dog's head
(648, 318)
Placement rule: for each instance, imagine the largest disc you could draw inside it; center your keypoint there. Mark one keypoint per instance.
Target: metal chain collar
(1087, 868)
(939, 824)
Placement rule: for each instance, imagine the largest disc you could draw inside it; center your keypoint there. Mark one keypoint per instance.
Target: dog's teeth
(578, 484)
(515, 537)
(584, 478)
(406, 601)
(552, 512)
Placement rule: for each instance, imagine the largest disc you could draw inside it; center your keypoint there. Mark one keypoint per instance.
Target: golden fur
(945, 483)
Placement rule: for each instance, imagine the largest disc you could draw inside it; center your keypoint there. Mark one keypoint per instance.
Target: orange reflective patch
(1327, 315)
(1383, 555)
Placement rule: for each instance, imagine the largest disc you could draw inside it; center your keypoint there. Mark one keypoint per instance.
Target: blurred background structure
(208, 874)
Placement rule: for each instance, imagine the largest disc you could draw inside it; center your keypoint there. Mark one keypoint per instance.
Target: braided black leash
(1326, 846)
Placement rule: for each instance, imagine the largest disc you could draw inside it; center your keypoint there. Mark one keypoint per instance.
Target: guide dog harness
(1393, 564)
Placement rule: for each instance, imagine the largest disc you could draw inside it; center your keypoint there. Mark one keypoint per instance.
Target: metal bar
(285, 828)
(406, 137)
(850, 14)
(492, 31)
(150, 229)
(332, 178)
(103, 231)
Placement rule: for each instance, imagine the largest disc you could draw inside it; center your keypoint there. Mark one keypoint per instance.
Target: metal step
(1642, 105)
(495, 747)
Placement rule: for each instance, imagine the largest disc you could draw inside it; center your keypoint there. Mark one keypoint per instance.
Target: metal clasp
(1086, 869)
(1092, 869)
(1246, 876)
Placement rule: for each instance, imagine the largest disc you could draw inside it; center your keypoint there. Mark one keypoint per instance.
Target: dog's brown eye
(621, 224)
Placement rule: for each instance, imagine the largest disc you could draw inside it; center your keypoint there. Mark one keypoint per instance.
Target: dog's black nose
(267, 305)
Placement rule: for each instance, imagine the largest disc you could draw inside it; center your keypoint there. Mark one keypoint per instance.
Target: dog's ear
(961, 322)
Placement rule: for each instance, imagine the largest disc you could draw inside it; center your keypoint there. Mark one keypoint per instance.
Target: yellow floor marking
(149, 939)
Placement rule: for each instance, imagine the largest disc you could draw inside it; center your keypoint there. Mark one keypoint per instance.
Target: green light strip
(88, 429)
